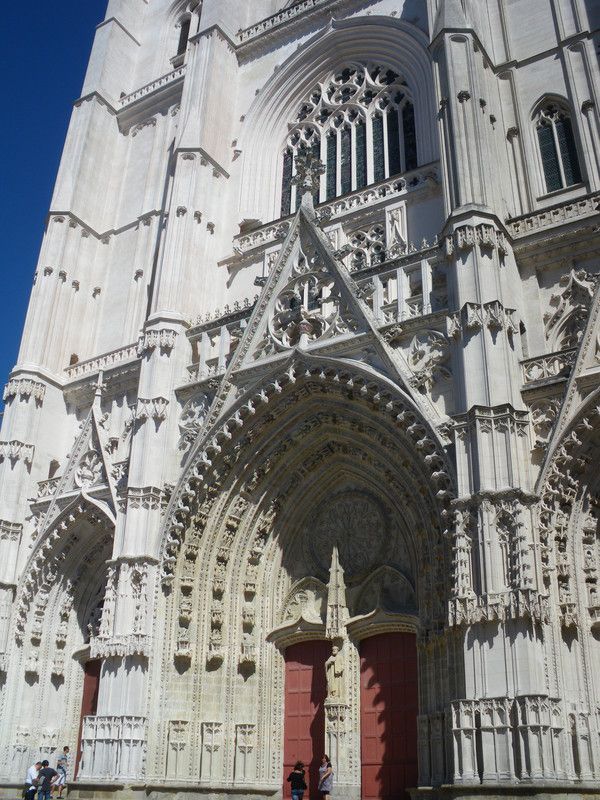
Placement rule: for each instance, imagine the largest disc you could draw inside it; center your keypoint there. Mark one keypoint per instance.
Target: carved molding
(15, 451)
(163, 339)
(153, 408)
(24, 388)
(484, 236)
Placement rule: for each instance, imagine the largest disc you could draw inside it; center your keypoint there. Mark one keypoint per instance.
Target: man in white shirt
(31, 780)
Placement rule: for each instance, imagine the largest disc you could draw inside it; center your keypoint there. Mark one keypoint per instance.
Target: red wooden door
(89, 700)
(304, 716)
(388, 715)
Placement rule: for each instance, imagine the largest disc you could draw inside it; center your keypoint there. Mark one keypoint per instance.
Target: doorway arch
(238, 557)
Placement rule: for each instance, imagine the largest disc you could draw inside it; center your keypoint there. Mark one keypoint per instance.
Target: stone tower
(299, 451)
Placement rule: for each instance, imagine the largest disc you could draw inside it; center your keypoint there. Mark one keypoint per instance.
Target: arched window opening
(184, 35)
(360, 122)
(558, 151)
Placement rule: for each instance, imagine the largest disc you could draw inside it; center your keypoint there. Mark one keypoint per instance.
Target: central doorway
(388, 715)
(304, 716)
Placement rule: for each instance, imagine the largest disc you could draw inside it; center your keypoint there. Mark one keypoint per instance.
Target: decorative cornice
(146, 497)
(132, 644)
(163, 339)
(483, 235)
(60, 217)
(514, 604)
(16, 451)
(474, 317)
(10, 531)
(24, 388)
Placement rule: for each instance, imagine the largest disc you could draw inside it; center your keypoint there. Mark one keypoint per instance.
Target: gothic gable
(311, 304)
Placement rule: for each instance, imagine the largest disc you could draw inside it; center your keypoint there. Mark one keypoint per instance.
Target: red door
(304, 720)
(388, 715)
(89, 701)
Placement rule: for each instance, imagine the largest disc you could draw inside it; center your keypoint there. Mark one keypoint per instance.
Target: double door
(388, 713)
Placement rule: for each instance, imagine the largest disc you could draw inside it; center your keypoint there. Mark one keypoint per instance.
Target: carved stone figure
(334, 667)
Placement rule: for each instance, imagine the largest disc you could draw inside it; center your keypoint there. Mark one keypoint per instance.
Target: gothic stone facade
(312, 353)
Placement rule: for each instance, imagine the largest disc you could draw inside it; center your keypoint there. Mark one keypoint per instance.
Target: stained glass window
(368, 120)
(361, 154)
(558, 151)
(331, 174)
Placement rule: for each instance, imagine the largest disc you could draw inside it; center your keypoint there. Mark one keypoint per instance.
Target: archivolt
(236, 468)
(61, 537)
(570, 504)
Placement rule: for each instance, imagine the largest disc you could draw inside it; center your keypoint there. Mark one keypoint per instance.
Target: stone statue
(334, 667)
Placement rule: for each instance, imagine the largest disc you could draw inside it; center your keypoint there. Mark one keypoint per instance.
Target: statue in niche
(397, 225)
(334, 668)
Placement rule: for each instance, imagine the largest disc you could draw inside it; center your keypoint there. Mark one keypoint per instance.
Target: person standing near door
(46, 778)
(297, 780)
(62, 767)
(31, 781)
(325, 777)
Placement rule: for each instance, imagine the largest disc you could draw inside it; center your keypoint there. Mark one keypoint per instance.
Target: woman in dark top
(296, 778)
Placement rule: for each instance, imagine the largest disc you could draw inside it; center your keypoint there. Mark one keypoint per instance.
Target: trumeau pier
(300, 450)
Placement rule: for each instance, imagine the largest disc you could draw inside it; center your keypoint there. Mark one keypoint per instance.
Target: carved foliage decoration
(191, 419)
(309, 307)
(569, 308)
(306, 600)
(543, 417)
(428, 354)
(89, 471)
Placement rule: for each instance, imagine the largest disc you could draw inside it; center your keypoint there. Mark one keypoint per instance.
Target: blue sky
(45, 48)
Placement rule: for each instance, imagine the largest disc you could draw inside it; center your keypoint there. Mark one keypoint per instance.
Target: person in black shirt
(296, 778)
(46, 777)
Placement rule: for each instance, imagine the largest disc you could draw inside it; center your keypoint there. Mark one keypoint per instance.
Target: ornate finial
(99, 389)
(309, 169)
(337, 611)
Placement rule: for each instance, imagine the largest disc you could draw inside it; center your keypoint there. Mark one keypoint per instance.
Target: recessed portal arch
(244, 576)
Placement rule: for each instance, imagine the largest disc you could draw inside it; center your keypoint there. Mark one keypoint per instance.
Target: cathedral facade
(299, 455)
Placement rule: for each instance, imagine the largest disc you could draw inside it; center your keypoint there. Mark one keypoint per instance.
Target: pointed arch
(313, 442)
(556, 143)
(320, 374)
(55, 544)
(393, 43)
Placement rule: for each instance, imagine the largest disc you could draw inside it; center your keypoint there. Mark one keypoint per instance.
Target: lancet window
(558, 150)
(360, 122)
